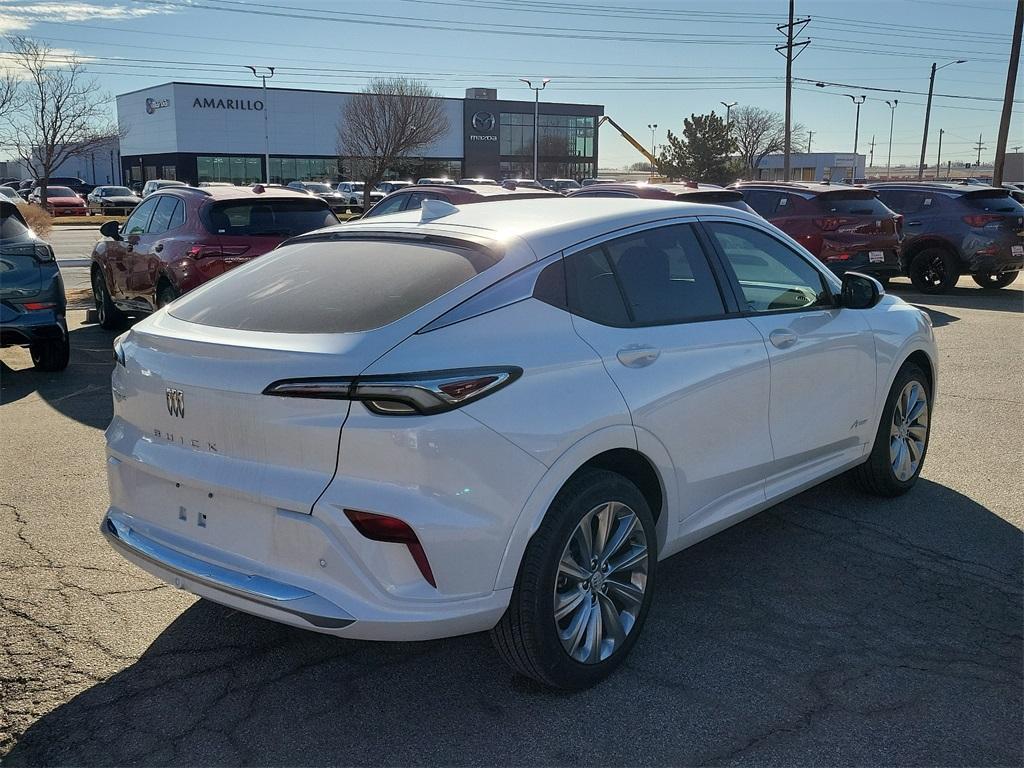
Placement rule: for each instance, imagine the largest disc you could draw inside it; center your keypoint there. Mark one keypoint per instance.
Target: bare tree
(759, 132)
(9, 92)
(60, 114)
(391, 119)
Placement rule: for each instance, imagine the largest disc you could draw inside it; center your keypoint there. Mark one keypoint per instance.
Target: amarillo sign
(254, 105)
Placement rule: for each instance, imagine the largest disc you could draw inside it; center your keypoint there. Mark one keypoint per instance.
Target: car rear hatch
(994, 209)
(191, 407)
(21, 275)
(857, 229)
(727, 197)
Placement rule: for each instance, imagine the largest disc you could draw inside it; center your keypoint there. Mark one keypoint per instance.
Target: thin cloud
(47, 11)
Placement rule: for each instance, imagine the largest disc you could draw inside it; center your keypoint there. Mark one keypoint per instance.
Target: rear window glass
(854, 204)
(284, 218)
(59, 192)
(11, 226)
(997, 202)
(333, 286)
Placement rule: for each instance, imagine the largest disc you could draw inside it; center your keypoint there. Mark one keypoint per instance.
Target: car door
(822, 356)
(694, 374)
(146, 262)
(121, 253)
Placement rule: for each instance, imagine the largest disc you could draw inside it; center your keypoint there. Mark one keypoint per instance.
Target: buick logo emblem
(176, 403)
(483, 122)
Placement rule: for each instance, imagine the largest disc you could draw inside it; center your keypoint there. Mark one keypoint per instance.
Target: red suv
(180, 237)
(847, 228)
(411, 198)
(686, 192)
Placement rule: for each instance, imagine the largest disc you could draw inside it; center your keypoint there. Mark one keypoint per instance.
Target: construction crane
(636, 144)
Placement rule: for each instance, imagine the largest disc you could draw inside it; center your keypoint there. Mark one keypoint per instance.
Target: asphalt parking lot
(833, 629)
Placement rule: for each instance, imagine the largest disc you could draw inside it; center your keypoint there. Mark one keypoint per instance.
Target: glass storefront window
(560, 136)
(286, 169)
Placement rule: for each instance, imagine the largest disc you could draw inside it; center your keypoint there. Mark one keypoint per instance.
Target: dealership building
(197, 132)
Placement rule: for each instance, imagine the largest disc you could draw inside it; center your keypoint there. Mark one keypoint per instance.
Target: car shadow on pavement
(77, 391)
(832, 629)
(1010, 299)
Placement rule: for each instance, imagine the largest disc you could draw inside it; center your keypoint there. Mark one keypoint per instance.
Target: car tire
(900, 437)
(165, 293)
(994, 280)
(51, 354)
(109, 316)
(561, 652)
(934, 270)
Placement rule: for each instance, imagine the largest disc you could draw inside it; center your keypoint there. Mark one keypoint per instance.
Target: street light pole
(856, 129)
(938, 158)
(536, 115)
(928, 112)
(266, 125)
(653, 127)
(728, 115)
(892, 117)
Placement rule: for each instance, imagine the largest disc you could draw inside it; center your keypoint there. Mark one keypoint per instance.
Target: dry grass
(38, 219)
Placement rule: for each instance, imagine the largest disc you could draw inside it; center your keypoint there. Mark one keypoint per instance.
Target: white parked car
(501, 417)
(353, 192)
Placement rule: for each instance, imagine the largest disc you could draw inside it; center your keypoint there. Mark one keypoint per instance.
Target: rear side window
(909, 201)
(853, 204)
(763, 201)
(282, 218)
(333, 286)
(11, 224)
(656, 277)
(388, 205)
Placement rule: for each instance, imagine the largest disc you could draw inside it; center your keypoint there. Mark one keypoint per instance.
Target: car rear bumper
(1002, 252)
(21, 328)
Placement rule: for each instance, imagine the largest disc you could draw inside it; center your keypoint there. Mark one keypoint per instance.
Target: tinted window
(388, 205)
(665, 276)
(593, 289)
(161, 220)
(771, 276)
(597, 192)
(853, 204)
(11, 225)
(996, 202)
(268, 217)
(762, 201)
(415, 199)
(58, 192)
(907, 201)
(136, 224)
(334, 286)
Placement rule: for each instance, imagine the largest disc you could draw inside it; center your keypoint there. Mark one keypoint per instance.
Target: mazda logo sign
(176, 403)
(483, 122)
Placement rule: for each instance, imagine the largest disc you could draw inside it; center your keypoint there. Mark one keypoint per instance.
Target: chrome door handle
(637, 355)
(781, 338)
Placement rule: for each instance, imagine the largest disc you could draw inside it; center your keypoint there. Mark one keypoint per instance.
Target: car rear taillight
(404, 395)
(38, 306)
(838, 257)
(201, 251)
(983, 219)
(394, 531)
(830, 223)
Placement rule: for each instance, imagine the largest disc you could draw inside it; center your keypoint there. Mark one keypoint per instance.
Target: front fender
(900, 329)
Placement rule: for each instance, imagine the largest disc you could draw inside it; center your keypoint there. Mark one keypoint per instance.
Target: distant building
(1013, 166)
(100, 166)
(813, 166)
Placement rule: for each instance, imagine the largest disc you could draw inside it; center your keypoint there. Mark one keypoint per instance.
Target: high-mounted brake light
(412, 394)
(394, 531)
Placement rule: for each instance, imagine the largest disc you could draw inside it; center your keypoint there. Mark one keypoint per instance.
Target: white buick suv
(501, 418)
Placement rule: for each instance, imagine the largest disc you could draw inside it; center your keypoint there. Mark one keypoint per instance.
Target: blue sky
(647, 61)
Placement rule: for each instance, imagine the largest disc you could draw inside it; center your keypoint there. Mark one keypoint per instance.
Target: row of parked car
(181, 236)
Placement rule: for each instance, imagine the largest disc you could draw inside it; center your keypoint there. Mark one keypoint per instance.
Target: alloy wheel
(909, 431)
(602, 577)
(97, 297)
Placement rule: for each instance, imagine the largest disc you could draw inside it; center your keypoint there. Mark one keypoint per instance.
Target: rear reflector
(393, 531)
(35, 306)
(983, 219)
(838, 257)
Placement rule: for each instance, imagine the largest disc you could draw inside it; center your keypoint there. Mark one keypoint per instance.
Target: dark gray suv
(32, 304)
(951, 230)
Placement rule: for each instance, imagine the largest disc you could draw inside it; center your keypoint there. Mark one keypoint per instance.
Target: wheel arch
(926, 242)
(613, 449)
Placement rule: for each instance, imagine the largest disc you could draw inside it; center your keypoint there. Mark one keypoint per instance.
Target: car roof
(547, 225)
(671, 187)
(813, 187)
(940, 186)
(483, 190)
(238, 193)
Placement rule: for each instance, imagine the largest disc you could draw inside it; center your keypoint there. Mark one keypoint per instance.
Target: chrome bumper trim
(317, 610)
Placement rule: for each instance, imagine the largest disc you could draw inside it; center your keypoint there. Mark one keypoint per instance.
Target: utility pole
(810, 135)
(979, 147)
(791, 31)
(938, 159)
(266, 124)
(871, 162)
(949, 168)
(928, 112)
(892, 117)
(1011, 84)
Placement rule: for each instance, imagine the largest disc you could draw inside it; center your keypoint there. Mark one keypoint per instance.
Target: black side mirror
(860, 291)
(111, 229)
